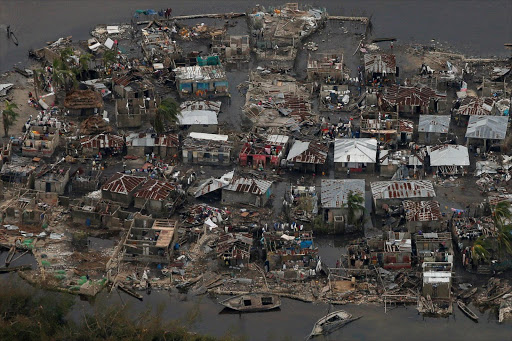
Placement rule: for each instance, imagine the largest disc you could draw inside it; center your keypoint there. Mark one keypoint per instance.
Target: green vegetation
(167, 112)
(354, 205)
(29, 314)
(9, 116)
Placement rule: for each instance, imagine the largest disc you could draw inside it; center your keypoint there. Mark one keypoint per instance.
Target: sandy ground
(19, 95)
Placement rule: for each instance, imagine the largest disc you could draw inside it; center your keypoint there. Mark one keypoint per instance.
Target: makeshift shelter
(83, 102)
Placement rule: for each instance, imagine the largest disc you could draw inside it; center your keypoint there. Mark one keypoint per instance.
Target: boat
(468, 293)
(129, 291)
(331, 322)
(252, 302)
(10, 255)
(467, 311)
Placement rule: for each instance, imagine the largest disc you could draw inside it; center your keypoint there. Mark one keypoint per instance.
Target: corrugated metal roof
(155, 190)
(277, 140)
(103, 141)
(308, 152)
(334, 193)
(200, 73)
(422, 210)
(480, 106)
(487, 127)
(245, 185)
(402, 189)
(212, 137)
(195, 117)
(434, 124)
(380, 63)
(448, 155)
(122, 183)
(201, 105)
(362, 150)
(405, 126)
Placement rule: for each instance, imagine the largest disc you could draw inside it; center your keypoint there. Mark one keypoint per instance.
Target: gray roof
(434, 124)
(448, 155)
(487, 127)
(334, 193)
(361, 150)
(197, 117)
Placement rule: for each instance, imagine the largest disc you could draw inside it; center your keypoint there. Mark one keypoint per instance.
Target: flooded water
(294, 320)
(474, 26)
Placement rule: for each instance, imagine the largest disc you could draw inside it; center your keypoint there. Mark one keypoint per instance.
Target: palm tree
(354, 205)
(109, 57)
(84, 60)
(9, 116)
(504, 239)
(168, 112)
(502, 212)
(479, 250)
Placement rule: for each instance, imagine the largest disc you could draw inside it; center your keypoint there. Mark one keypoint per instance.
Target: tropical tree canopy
(9, 116)
(167, 112)
(354, 204)
(479, 250)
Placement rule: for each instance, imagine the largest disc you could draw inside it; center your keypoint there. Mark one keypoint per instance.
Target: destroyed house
(386, 193)
(52, 179)
(307, 156)
(405, 130)
(263, 152)
(82, 183)
(431, 128)
(83, 102)
(422, 215)
(247, 191)
(106, 143)
(234, 248)
(40, 141)
(355, 154)
(437, 282)
(18, 170)
(132, 85)
(395, 252)
(328, 69)
(334, 195)
(208, 78)
(233, 49)
(486, 128)
(207, 149)
(381, 66)
(97, 214)
(434, 247)
(157, 197)
(412, 99)
(164, 145)
(304, 203)
(282, 247)
(448, 159)
(6, 151)
(400, 164)
(477, 106)
(150, 240)
(156, 43)
(121, 187)
(200, 116)
(134, 112)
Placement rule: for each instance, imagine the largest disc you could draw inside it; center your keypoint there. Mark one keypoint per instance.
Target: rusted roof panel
(155, 190)
(122, 183)
(402, 189)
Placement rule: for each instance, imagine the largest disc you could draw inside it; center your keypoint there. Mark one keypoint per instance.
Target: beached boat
(467, 311)
(252, 302)
(331, 322)
(468, 293)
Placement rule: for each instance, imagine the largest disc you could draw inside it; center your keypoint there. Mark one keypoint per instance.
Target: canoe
(468, 293)
(10, 255)
(252, 302)
(129, 291)
(467, 311)
(331, 322)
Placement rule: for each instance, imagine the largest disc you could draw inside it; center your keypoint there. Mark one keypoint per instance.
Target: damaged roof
(155, 190)
(422, 210)
(405, 126)
(379, 63)
(480, 106)
(334, 193)
(252, 186)
(434, 124)
(83, 99)
(448, 155)
(308, 152)
(195, 117)
(402, 189)
(487, 127)
(409, 95)
(102, 141)
(362, 150)
(200, 73)
(122, 183)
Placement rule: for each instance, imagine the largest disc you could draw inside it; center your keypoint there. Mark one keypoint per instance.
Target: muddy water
(473, 26)
(294, 319)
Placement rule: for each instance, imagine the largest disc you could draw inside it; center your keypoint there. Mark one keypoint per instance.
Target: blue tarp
(306, 244)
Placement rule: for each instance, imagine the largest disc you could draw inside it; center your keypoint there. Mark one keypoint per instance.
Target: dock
(198, 16)
(364, 20)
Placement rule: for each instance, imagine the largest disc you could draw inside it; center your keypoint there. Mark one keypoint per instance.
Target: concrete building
(334, 196)
(422, 215)
(414, 100)
(54, 179)
(40, 141)
(206, 79)
(268, 151)
(200, 116)
(486, 130)
(165, 145)
(247, 191)
(157, 197)
(121, 187)
(327, 69)
(387, 193)
(207, 149)
(355, 154)
(102, 143)
(134, 112)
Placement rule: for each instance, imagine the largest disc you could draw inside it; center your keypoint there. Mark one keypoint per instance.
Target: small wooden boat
(331, 322)
(252, 302)
(16, 268)
(10, 255)
(468, 293)
(467, 311)
(129, 291)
